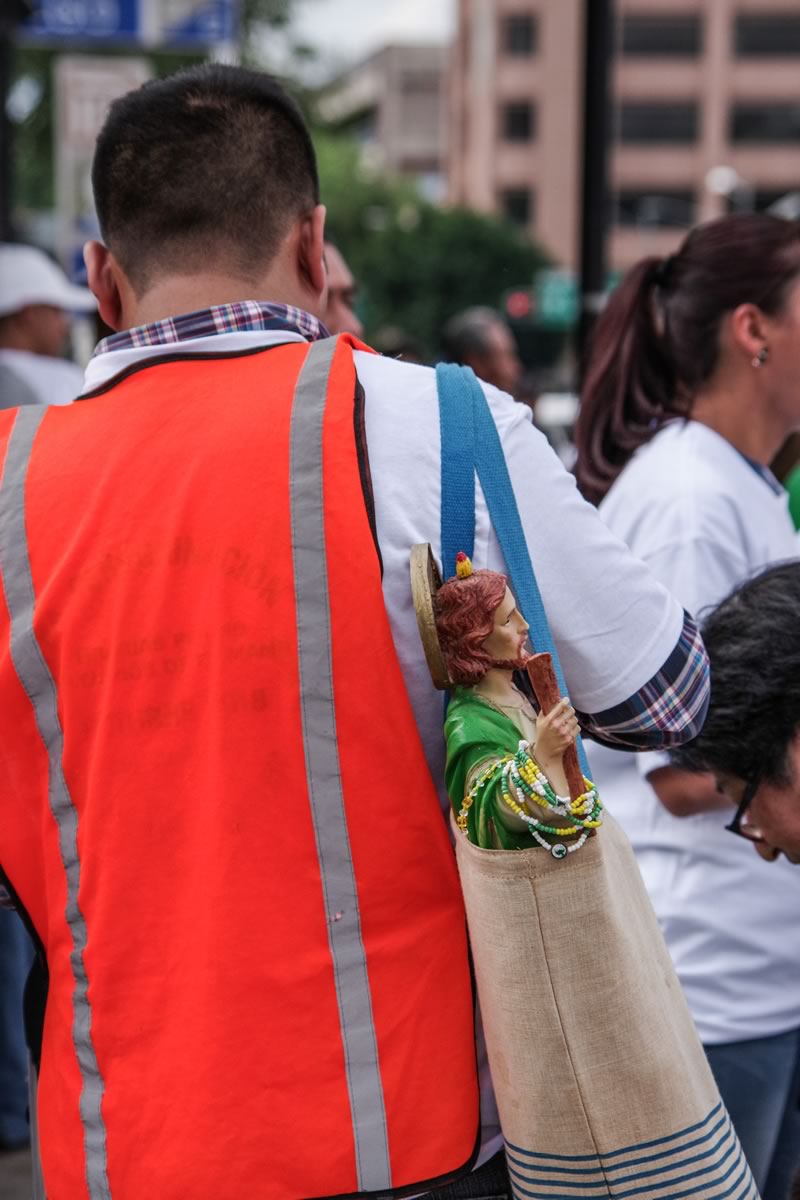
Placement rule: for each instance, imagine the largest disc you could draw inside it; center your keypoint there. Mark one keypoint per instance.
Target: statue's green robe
(477, 734)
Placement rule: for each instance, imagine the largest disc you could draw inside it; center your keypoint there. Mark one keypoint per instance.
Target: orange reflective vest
(214, 803)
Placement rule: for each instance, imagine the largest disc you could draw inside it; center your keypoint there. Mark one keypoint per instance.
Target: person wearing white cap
(36, 298)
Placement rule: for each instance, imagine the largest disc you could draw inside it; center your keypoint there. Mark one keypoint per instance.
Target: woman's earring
(760, 358)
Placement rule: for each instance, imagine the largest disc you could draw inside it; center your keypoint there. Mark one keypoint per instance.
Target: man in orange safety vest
(220, 781)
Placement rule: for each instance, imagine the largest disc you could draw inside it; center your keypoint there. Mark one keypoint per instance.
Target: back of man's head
(753, 644)
(481, 339)
(206, 169)
(468, 334)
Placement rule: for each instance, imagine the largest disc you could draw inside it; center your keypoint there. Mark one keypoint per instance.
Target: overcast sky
(346, 30)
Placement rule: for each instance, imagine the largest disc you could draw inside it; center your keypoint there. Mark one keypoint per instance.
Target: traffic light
(519, 304)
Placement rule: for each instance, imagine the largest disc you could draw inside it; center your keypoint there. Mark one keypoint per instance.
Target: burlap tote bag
(602, 1085)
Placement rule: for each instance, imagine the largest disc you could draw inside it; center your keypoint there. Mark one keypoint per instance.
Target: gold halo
(425, 583)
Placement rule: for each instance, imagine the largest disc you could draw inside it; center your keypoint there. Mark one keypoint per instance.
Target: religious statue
(583, 1015)
(512, 774)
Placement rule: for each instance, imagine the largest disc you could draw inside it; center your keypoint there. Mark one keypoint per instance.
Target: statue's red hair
(465, 611)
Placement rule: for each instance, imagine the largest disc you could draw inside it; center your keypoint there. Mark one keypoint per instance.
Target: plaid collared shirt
(671, 707)
(667, 711)
(241, 317)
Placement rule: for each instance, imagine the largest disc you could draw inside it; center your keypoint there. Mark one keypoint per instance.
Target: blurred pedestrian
(340, 311)
(692, 387)
(481, 339)
(36, 298)
(217, 804)
(16, 956)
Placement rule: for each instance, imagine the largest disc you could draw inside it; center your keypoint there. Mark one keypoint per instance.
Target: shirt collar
(241, 317)
(758, 468)
(766, 474)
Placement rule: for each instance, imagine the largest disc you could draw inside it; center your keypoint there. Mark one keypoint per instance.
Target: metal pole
(595, 206)
(6, 155)
(12, 13)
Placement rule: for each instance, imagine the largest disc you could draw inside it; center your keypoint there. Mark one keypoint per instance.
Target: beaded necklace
(521, 777)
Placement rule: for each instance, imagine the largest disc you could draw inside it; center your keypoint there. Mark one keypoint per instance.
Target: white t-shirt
(704, 519)
(613, 623)
(53, 380)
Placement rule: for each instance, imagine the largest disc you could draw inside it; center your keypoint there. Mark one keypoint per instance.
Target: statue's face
(506, 642)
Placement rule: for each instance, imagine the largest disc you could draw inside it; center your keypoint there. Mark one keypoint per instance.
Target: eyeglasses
(748, 795)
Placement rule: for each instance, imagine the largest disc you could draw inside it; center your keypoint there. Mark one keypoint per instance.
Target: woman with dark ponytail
(692, 387)
(631, 384)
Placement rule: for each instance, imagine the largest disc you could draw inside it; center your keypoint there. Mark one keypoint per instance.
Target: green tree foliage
(260, 19)
(277, 13)
(416, 264)
(33, 137)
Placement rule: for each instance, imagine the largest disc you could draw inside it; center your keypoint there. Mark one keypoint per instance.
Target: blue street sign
(86, 20)
(207, 23)
(179, 24)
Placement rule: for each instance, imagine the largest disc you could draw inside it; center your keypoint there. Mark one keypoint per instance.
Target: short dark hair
(753, 643)
(467, 333)
(209, 165)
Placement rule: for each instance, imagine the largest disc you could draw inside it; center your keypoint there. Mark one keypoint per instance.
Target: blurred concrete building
(707, 115)
(395, 104)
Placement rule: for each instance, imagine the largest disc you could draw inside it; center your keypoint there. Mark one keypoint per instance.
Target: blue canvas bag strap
(457, 428)
(495, 481)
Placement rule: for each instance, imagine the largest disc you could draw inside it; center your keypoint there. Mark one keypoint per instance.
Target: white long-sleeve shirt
(704, 519)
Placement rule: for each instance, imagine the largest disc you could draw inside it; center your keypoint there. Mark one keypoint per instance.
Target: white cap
(28, 276)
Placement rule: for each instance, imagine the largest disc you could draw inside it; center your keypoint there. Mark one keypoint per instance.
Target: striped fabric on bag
(704, 1161)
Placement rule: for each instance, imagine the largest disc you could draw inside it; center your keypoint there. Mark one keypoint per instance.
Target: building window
(520, 35)
(657, 122)
(420, 83)
(672, 208)
(768, 35)
(519, 121)
(517, 205)
(662, 36)
(765, 123)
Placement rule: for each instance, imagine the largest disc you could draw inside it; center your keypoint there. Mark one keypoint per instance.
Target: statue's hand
(554, 733)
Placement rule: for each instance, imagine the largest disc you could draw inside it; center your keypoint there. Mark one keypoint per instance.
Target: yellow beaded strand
(521, 812)
(481, 781)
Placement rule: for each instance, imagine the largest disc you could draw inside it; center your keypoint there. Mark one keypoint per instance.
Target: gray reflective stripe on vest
(35, 677)
(323, 774)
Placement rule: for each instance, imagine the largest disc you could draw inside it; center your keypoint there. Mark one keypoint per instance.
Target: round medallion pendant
(559, 850)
